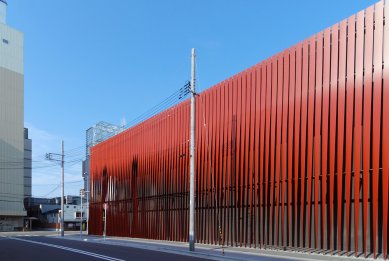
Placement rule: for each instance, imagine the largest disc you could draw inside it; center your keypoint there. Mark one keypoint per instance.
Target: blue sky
(88, 61)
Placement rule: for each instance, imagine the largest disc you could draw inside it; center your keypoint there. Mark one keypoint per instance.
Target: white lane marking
(70, 249)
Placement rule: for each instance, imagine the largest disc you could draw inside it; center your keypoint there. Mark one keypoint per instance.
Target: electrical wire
(165, 104)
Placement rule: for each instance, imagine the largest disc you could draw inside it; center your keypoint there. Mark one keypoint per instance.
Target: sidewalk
(212, 252)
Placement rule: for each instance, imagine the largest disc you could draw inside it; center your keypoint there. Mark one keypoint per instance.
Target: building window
(5, 41)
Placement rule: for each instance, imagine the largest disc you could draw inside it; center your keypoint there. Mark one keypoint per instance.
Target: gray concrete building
(12, 163)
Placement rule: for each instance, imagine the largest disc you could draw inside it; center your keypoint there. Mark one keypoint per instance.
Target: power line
(165, 104)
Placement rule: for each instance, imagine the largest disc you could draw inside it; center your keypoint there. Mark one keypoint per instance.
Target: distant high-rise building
(11, 125)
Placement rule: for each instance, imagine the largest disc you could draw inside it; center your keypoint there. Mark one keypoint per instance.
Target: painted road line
(69, 249)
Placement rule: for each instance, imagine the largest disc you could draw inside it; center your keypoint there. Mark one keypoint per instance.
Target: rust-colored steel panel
(310, 133)
(324, 138)
(332, 126)
(272, 148)
(278, 185)
(366, 120)
(358, 121)
(303, 133)
(291, 153)
(340, 133)
(317, 137)
(284, 202)
(292, 74)
(385, 138)
(349, 123)
(376, 119)
(297, 110)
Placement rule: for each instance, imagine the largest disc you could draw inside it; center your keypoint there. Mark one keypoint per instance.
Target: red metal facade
(291, 153)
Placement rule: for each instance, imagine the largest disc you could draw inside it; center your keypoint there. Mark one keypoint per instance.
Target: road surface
(51, 248)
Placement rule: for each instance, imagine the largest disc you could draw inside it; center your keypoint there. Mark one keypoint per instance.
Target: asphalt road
(14, 247)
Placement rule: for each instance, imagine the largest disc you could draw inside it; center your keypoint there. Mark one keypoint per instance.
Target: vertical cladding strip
(349, 122)
(284, 226)
(212, 166)
(252, 173)
(292, 76)
(317, 135)
(376, 120)
(366, 122)
(325, 98)
(218, 158)
(208, 187)
(304, 101)
(272, 148)
(262, 156)
(224, 151)
(341, 145)
(385, 129)
(228, 160)
(256, 155)
(201, 168)
(278, 146)
(358, 120)
(234, 223)
(311, 111)
(205, 174)
(267, 152)
(245, 173)
(297, 134)
(250, 107)
(240, 130)
(250, 97)
(332, 126)
(211, 173)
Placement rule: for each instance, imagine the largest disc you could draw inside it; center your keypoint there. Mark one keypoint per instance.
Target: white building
(72, 215)
(11, 125)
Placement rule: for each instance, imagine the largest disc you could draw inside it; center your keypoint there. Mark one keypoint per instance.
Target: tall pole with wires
(62, 188)
(49, 156)
(192, 155)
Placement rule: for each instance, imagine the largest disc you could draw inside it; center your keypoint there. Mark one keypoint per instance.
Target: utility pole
(49, 156)
(62, 189)
(192, 155)
(82, 192)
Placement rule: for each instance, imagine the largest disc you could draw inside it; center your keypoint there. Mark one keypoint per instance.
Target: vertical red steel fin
(262, 212)
(333, 127)
(358, 120)
(251, 169)
(324, 133)
(272, 148)
(292, 77)
(284, 226)
(366, 122)
(278, 146)
(376, 120)
(303, 133)
(310, 133)
(317, 135)
(267, 152)
(341, 116)
(246, 174)
(385, 129)
(258, 99)
(349, 122)
(297, 114)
